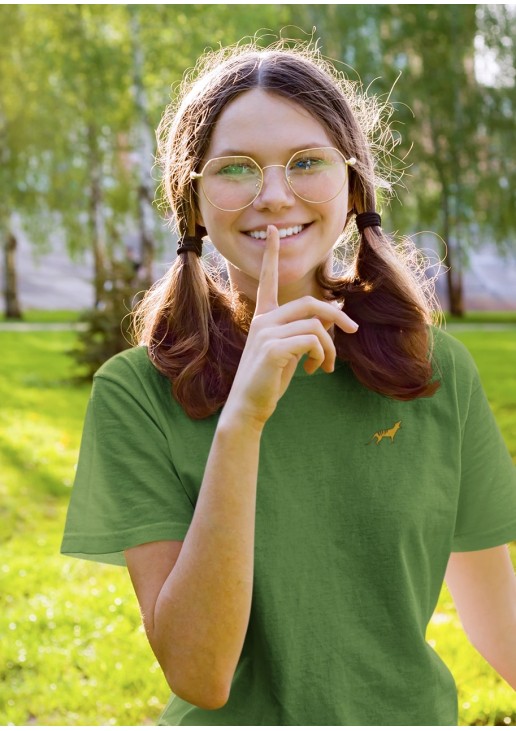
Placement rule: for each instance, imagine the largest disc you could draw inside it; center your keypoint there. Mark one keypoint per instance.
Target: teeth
(283, 232)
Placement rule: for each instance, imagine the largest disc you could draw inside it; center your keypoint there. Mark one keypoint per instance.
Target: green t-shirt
(361, 499)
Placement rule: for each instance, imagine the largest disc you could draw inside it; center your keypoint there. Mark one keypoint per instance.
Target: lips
(284, 231)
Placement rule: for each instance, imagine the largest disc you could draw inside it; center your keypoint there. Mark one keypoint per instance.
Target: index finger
(267, 294)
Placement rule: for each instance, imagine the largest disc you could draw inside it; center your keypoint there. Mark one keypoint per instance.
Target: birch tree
(144, 150)
(20, 133)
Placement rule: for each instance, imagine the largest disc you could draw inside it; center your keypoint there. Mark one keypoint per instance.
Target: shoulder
(132, 363)
(131, 371)
(452, 361)
(447, 347)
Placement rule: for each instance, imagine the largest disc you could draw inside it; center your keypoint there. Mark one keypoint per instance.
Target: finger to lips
(267, 295)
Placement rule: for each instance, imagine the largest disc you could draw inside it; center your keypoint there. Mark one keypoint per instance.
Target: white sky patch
(488, 70)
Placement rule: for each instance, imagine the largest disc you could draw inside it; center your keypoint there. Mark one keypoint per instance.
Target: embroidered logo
(391, 433)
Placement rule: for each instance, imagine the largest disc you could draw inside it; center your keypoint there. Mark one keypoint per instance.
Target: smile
(283, 232)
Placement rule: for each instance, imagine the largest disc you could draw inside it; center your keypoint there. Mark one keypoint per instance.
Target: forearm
(499, 649)
(483, 587)
(203, 609)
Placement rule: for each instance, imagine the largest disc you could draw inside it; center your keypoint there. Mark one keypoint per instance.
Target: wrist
(239, 422)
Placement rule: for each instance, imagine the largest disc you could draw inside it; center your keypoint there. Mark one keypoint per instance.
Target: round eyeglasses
(232, 183)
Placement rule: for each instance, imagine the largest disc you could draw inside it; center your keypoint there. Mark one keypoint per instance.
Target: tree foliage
(83, 87)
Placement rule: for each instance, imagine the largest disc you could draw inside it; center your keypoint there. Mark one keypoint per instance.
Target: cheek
(336, 215)
(210, 217)
(221, 227)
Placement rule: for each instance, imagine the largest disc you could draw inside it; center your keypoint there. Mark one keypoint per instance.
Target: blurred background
(83, 88)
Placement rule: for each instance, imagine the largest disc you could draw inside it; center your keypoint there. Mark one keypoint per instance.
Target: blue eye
(307, 164)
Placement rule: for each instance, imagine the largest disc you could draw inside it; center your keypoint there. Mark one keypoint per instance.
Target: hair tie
(369, 218)
(190, 243)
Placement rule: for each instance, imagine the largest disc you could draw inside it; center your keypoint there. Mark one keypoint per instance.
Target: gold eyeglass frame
(198, 176)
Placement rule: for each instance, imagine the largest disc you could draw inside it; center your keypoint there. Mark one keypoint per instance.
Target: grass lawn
(73, 651)
(47, 316)
(60, 316)
(484, 316)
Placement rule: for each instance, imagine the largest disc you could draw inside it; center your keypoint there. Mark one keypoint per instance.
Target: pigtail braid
(389, 352)
(188, 323)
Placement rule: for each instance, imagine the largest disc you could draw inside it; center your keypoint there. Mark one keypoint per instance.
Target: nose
(275, 193)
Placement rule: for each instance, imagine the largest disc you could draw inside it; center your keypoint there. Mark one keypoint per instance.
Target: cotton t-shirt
(360, 500)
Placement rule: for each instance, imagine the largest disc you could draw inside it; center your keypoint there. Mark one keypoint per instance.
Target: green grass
(44, 316)
(483, 317)
(72, 650)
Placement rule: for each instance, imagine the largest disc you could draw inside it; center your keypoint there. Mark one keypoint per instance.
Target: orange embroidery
(379, 435)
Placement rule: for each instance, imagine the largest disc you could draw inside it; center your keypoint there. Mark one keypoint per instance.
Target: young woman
(290, 462)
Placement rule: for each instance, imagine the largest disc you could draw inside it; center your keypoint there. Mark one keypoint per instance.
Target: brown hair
(196, 328)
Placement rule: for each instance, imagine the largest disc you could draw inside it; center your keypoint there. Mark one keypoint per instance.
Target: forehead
(260, 123)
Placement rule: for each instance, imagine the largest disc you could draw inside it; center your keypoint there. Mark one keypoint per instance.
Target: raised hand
(278, 338)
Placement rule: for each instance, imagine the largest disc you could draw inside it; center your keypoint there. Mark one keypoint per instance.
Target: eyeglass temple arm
(195, 176)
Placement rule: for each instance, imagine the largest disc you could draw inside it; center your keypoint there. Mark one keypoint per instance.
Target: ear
(351, 209)
(200, 230)
(194, 212)
(351, 204)
(197, 216)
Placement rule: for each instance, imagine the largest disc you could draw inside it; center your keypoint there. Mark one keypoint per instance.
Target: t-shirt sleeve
(126, 490)
(486, 515)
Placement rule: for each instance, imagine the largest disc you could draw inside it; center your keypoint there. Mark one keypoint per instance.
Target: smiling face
(270, 128)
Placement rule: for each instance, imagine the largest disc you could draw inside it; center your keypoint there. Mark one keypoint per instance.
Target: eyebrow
(230, 152)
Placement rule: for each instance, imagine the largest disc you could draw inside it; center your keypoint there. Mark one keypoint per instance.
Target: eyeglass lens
(316, 176)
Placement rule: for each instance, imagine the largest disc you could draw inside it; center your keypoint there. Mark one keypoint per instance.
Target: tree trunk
(97, 227)
(12, 304)
(456, 298)
(452, 259)
(145, 155)
(146, 239)
(455, 290)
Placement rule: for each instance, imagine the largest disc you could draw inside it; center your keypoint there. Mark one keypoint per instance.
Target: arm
(196, 615)
(483, 587)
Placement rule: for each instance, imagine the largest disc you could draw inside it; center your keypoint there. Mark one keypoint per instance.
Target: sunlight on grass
(73, 650)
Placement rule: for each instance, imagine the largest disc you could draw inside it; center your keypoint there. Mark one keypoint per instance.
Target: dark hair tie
(369, 218)
(190, 243)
